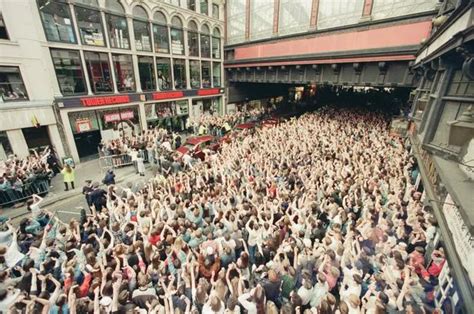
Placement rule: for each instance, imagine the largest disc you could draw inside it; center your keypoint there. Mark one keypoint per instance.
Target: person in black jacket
(98, 197)
(109, 177)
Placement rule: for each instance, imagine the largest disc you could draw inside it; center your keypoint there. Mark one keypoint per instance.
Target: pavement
(68, 204)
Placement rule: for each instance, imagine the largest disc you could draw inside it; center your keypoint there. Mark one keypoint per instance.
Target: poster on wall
(111, 117)
(83, 125)
(126, 115)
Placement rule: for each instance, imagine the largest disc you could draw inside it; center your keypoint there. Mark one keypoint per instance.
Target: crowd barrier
(117, 161)
(12, 196)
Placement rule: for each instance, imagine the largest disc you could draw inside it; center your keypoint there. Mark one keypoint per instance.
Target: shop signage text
(206, 92)
(124, 115)
(167, 95)
(103, 101)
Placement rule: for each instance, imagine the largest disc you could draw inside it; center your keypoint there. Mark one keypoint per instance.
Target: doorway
(87, 144)
(37, 138)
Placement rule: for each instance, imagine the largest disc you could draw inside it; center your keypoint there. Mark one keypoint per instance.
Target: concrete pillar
(18, 143)
(69, 136)
(142, 113)
(314, 14)
(367, 10)
(276, 16)
(247, 19)
(56, 140)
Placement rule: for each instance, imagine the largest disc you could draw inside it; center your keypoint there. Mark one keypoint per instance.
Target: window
(5, 147)
(174, 2)
(204, 7)
(216, 44)
(236, 21)
(98, 69)
(68, 68)
(179, 71)
(163, 67)
(147, 73)
(215, 11)
(141, 29)
(193, 39)
(177, 36)
(192, 5)
(117, 26)
(123, 67)
(160, 33)
(11, 84)
(334, 13)
(195, 70)
(90, 26)
(206, 74)
(56, 19)
(261, 19)
(3, 29)
(295, 15)
(216, 74)
(205, 42)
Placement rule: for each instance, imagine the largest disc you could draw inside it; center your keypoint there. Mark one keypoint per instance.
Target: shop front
(90, 120)
(171, 115)
(90, 127)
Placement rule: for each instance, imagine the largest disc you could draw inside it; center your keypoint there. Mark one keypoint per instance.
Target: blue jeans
(252, 250)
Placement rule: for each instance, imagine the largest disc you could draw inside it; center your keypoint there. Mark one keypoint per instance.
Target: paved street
(67, 205)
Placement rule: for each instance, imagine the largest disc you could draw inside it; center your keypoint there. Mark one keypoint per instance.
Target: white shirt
(251, 307)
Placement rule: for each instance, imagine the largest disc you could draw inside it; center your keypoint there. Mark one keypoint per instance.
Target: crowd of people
(315, 215)
(20, 176)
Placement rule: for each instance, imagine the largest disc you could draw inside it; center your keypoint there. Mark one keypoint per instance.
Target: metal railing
(13, 196)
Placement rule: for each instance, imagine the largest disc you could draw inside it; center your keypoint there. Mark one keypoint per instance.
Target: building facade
(442, 137)
(120, 66)
(308, 42)
(27, 118)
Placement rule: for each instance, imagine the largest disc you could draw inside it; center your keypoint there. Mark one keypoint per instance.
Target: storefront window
(215, 11)
(68, 68)
(164, 73)
(11, 84)
(204, 7)
(57, 23)
(167, 115)
(205, 42)
(147, 73)
(179, 71)
(90, 26)
(160, 33)
(83, 121)
(177, 36)
(193, 39)
(98, 69)
(216, 44)
(141, 29)
(118, 28)
(216, 74)
(122, 122)
(191, 5)
(5, 147)
(206, 74)
(195, 70)
(123, 67)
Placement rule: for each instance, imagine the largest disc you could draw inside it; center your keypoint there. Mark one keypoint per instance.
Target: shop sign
(83, 125)
(103, 101)
(168, 95)
(207, 92)
(462, 239)
(112, 117)
(126, 115)
(177, 47)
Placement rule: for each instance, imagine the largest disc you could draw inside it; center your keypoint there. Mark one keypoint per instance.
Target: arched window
(204, 7)
(205, 42)
(177, 36)
(56, 18)
(89, 22)
(216, 44)
(160, 33)
(141, 29)
(117, 25)
(193, 39)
